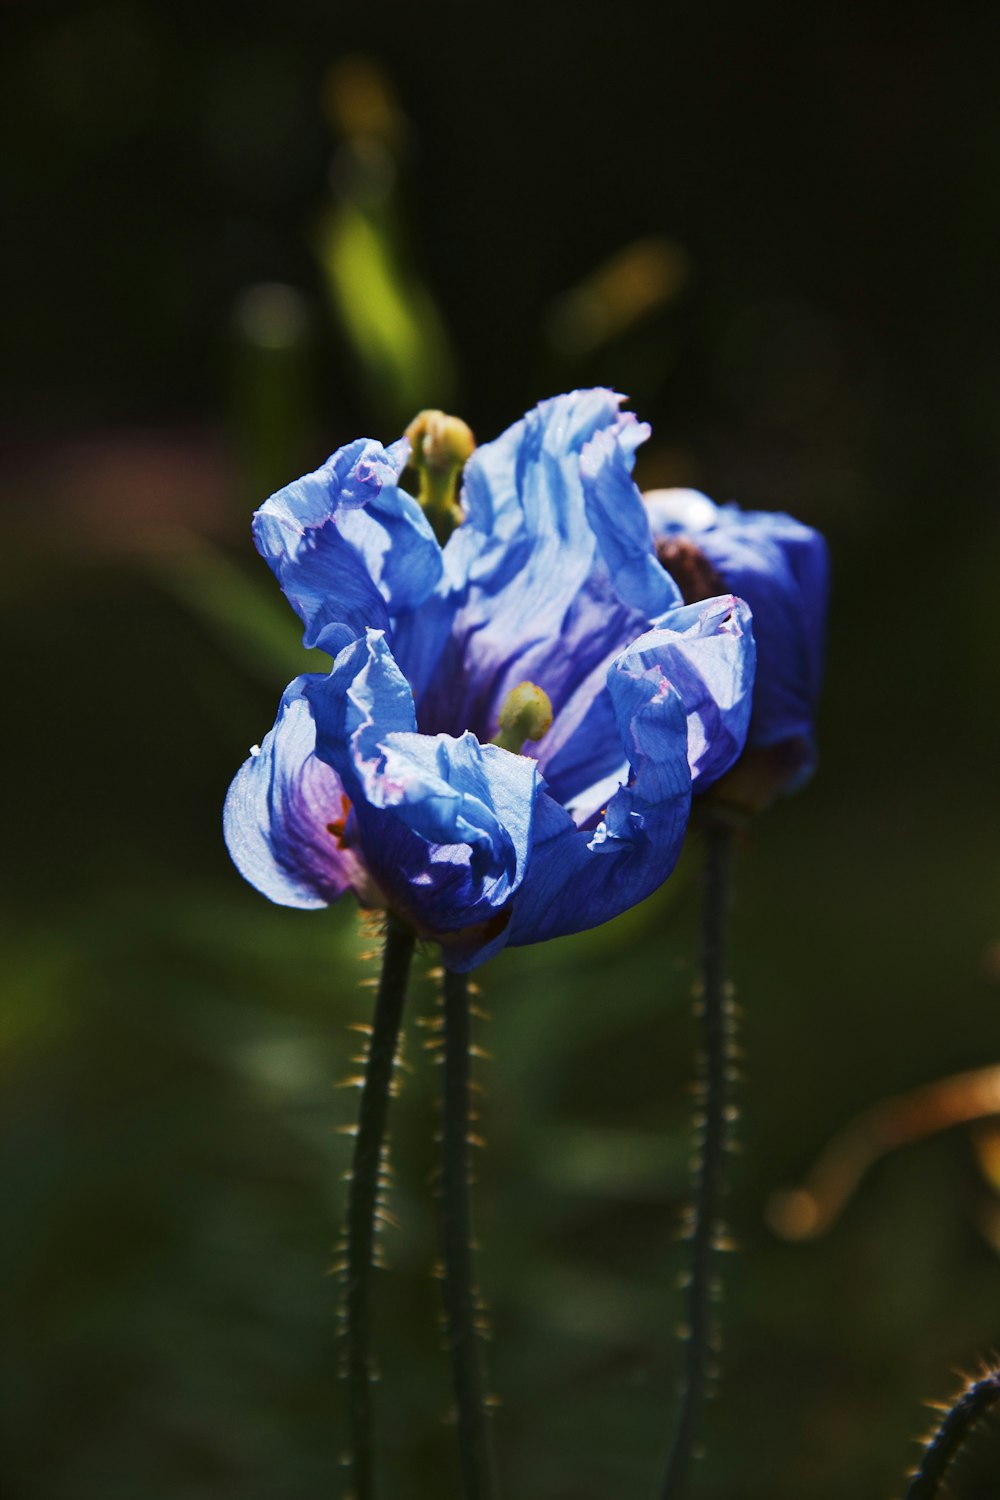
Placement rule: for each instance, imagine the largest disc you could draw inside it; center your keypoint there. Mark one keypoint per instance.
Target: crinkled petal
(447, 790)
(279, 809)
(364, 699)
(578, 878)
(540, 585)
(445, 823)
(348, 546)
(526, 483)
(708, 652)
(621, 524)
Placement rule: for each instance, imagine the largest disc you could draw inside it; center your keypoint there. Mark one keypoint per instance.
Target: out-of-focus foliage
(385, 309)
(816, 330)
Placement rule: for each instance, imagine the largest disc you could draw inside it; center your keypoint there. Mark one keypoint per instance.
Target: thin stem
(951, 1436)
(462, 1310)
(706, 1229)
(363, 1202)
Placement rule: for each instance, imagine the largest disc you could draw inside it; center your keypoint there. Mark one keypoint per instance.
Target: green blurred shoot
(376, 294)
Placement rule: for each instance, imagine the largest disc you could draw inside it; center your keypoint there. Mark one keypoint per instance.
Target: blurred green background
(239, 239)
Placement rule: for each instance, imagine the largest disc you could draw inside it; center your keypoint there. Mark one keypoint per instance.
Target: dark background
(776, 229)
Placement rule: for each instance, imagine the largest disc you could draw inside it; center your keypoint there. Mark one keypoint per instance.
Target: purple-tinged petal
(285, 813)
(578, 878)
(348, 546)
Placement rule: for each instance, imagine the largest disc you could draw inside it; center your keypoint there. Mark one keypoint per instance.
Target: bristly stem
(974, 1402)
(363, 1202)
(706, 1228)
(462, 1312)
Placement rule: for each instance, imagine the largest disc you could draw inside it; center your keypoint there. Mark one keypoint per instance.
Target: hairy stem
(951, 1436)
(706, 1228)
(363, 1202)
(462, 1311)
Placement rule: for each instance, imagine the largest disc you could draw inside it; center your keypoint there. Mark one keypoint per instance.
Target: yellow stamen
(526, 715)
(440, 447)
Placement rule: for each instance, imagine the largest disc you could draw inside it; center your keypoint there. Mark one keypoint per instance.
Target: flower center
(690, 569)
(338, 826)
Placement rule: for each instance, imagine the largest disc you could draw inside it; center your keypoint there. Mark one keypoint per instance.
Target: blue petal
(536, 587)
(621, 524)
(708, 652)
(348, 546)
(803, 578)
(526, 482)
(578, 878)
(781, 568)
(445, 823)
(680, 512)
(278, 811)
(364, 698)
(581, 757)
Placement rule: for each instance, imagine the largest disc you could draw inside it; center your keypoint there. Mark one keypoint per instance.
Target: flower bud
(440, 446)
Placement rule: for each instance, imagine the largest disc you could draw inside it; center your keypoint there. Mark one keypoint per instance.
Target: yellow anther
(440, 447)
(526, 715)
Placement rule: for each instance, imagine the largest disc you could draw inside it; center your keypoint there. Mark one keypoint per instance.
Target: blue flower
(781, 568)
(385, 776)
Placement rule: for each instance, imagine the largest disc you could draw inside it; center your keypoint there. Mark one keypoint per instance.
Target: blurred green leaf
(379, 299)
(387, 314)
(249, 619)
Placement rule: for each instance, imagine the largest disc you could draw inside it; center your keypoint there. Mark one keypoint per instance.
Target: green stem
(706, 1228)
(363, 1201)
(952, 1435)
(479, 1480)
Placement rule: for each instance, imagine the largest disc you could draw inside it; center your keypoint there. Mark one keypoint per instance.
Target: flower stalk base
(463, 1311)
(707, 1232)
(363, 1202)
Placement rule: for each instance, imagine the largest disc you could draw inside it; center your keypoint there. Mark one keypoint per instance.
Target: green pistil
(526, 715)
(440, 447)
